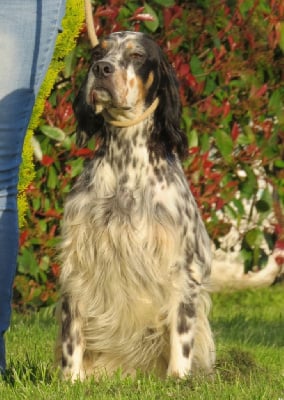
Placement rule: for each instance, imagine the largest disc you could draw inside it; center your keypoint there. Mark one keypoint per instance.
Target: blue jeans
(28, 30)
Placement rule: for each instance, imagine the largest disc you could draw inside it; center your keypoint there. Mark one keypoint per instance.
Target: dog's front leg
(182, 330)
(72, 343)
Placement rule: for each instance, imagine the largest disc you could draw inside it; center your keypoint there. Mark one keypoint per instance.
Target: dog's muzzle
(103, 69)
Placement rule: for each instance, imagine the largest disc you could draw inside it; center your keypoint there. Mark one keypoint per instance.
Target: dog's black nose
(102, 69)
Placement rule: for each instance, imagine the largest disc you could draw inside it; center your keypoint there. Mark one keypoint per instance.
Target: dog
(135, 253)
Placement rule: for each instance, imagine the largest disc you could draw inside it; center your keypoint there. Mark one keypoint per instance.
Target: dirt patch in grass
(237, 363)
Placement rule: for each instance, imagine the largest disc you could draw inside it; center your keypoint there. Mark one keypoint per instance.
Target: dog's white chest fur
(127, 253)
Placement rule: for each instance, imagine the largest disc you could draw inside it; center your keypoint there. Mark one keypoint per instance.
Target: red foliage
(47, 160)
(229, 61)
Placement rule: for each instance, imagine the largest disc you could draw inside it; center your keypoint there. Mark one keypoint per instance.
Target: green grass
(249, 331)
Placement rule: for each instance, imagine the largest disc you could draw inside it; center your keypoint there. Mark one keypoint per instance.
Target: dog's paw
(73, 376)
(178, 370)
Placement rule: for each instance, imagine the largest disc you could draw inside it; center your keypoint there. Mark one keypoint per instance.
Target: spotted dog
(135, 253)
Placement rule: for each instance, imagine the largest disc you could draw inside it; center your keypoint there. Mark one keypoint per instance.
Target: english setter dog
(135, 253)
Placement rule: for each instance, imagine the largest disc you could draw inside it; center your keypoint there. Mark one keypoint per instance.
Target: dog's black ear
(88, 122)
(168, 113)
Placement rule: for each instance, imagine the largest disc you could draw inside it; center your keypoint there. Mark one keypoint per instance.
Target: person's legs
(28, 30)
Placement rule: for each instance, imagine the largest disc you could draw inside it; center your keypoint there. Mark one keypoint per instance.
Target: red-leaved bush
(228, 57)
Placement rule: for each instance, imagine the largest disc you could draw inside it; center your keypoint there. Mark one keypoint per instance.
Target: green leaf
(243, 139)
(247, 257)
(52, 178)
(165, 3)
(245, 6)
(28, 264)
(262, 206)
(205, 142)
(195, 65)
(151, 25)
(45, 263)
(239, 206)
(186, 119)
(279, 163)
(281, 39)
(193, 138)
(275, 102)
(36, 203)
(53, 132)
(249, 186)
(69, 63)
(254, 237)
(76, 167)
(47, 202)
(210, 85)
(230, 211)
(43, 225)
(67, 143)
(224, 143)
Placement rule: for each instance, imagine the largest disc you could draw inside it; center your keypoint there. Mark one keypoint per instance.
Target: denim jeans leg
(28, 30)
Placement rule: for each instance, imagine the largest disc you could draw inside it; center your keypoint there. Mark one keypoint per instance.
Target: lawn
(249, 331)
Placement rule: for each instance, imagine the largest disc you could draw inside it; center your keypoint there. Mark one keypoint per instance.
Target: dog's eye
(137, 56)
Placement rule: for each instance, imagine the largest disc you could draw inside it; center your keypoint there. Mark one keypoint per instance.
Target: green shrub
(229, 60)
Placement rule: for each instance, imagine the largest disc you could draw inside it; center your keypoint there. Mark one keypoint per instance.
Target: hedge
(229, 60)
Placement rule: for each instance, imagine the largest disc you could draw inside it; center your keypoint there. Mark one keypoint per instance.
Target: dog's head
(128, 72)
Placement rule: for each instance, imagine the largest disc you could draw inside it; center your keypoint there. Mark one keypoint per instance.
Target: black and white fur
(135, 253)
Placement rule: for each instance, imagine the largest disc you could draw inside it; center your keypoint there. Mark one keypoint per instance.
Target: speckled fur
(135, 253)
